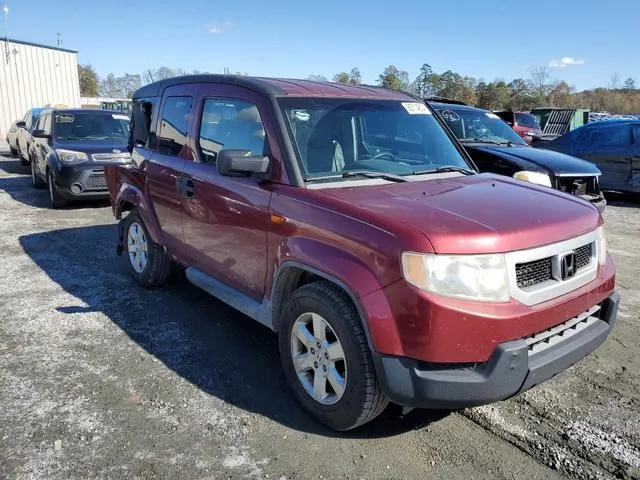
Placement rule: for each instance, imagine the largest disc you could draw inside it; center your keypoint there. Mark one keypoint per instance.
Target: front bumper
(513, 368)
(84, 181)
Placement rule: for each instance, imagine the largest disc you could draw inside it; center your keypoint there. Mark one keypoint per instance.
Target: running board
(260, 312)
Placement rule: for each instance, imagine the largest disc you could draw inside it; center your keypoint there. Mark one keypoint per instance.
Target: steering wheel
(380, 155)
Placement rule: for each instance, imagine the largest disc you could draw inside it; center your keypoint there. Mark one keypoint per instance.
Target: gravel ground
(103, 379)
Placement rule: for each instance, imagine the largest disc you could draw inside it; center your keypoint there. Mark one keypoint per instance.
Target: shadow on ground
(625, 200)
(214, 347)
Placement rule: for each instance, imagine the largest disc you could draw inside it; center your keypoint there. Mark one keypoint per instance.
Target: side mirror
(21, 124)
(40, 134)
(233, 163)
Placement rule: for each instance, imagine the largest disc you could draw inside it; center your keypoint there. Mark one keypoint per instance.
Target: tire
(13, 150)
(157, 266)
(21, 158)
(36, 181)
(55, 198)
(362, 399)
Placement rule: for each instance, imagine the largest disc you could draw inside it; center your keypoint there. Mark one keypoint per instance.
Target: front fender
(354, 275)
(129, 196)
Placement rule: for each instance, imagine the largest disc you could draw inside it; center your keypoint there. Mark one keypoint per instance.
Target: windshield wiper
(359, 173)
(446, 168)
(485, 140)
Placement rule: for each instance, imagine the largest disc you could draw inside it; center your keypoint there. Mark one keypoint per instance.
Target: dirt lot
(102, 379)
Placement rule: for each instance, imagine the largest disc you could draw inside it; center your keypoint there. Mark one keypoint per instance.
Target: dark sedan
(494, 147)
(612, 145)
(71, 149)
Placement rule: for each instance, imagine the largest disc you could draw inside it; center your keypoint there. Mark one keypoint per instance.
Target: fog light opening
(77, 188)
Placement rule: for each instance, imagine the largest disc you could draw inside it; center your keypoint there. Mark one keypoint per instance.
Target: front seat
(325, 147)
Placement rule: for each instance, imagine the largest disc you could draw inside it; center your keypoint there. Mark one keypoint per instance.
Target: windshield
(480, 126)
(527, 120)
(336, 136)
(90, 126)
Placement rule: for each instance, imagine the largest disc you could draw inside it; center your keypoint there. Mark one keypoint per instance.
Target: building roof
(39, 45)
(278, 86)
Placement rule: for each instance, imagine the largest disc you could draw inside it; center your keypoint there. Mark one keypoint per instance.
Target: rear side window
(141, 116)
(230, 124)
(610, 136)
(176, 116)
(527, 120)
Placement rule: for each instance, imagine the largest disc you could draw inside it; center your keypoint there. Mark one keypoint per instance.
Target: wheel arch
(292, 274)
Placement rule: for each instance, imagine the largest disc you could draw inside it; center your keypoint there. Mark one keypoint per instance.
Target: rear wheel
(57, 201)
(148, 263)
(326, 357)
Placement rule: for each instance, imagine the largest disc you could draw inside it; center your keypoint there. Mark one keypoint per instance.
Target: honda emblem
(568, 266)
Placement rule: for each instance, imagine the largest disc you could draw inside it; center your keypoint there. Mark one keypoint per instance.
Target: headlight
(602, 246)
(70, 157)
(533, 177)
(473, 277)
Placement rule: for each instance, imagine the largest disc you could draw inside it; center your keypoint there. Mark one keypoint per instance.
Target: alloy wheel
(318, 358)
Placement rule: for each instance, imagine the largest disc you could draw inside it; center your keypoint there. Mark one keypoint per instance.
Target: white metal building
(33, 75)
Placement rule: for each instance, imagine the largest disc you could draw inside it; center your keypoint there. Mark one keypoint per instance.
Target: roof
(455, 106)
(81, 110)
(278, 87)
(39, 45)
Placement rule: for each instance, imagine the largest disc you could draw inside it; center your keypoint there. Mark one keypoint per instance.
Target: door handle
(187, 186)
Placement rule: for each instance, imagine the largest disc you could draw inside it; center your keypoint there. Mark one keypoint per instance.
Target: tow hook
(120, 245)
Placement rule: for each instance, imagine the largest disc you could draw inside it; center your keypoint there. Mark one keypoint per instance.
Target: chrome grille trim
(553, 336)
(110, 156)
(552, 288)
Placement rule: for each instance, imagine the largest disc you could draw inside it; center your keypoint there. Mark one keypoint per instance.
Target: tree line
(540, 89)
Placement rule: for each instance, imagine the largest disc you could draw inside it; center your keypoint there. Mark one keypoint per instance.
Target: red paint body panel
(476, 214)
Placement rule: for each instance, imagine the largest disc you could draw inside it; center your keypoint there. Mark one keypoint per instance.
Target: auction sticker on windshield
(416, 108)
(65, 118)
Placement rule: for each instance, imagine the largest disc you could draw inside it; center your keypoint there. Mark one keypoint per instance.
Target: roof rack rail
(444, 100)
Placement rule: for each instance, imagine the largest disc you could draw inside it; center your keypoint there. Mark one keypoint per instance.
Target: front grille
(532, 273)
(560, 333)
(580, 186)
(96, 180)
(583, 255)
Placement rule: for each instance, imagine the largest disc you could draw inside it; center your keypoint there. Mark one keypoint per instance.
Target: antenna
(59, 39)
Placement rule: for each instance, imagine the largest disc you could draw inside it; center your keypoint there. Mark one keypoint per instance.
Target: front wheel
(149, 264)
(36, 181)
(23, 161)
(57, 201)
(326, 358)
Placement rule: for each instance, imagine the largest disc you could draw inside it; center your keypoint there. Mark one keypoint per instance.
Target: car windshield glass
(527, 120)
(90, 126)
(480, 126)
(333, 136)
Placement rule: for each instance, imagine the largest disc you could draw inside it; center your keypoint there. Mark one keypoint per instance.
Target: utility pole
(59, 39)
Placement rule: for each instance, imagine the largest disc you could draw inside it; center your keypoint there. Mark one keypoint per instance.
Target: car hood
(548, 160)
(482, 213)
(92, 146)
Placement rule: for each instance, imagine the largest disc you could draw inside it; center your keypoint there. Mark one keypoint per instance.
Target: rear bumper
(512, 369)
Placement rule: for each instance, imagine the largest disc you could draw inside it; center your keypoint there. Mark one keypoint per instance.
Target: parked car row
(67, 150)
(354, 222)
(495, 147)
